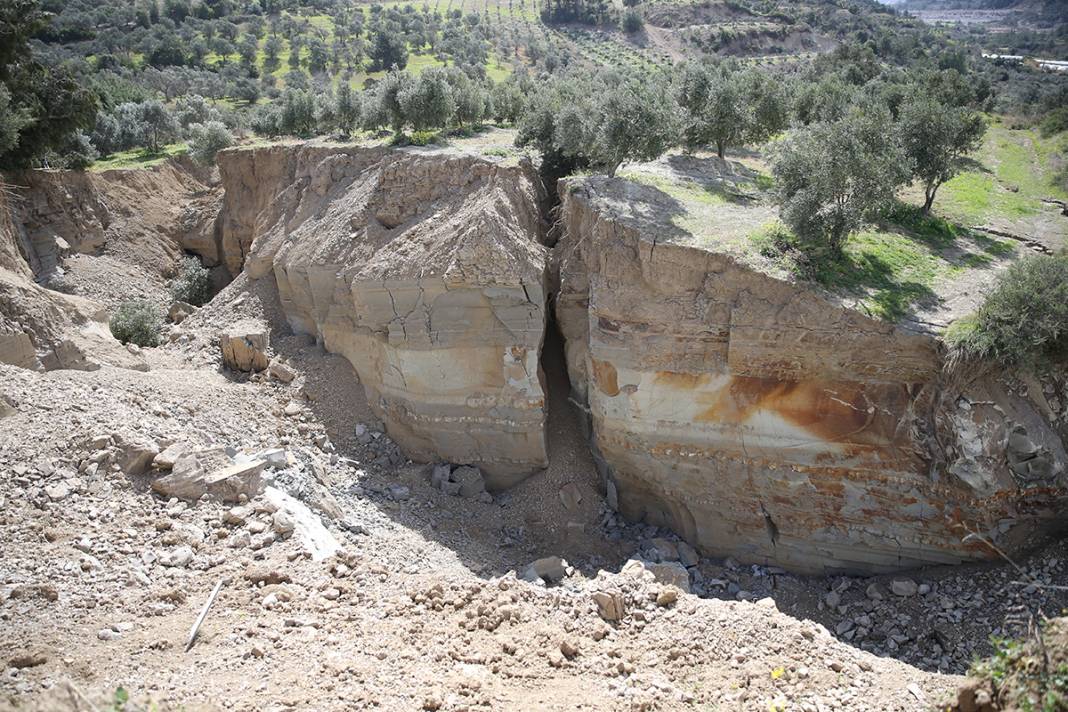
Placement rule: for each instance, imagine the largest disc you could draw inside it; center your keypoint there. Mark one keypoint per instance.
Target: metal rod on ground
(202, 616)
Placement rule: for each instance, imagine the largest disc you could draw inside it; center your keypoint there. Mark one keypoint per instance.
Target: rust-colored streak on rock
(604, 374)
(681, 381)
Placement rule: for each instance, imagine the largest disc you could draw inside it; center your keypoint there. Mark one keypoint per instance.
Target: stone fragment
(665, 549)
(275, 457)
(470, 481)
(178, 558)
(439, 475)
(281, 372)
(168, 456)
(244, 349)
(670, 574)
(28, 659)
(58, 492)
(904, 587)
(282, 523)
(687, 554)
(550, 569)
(398, 492)
(610, 605)
(237, 516)
(188, 481)
(136, 455)
(571, 496)
(179, 311)
(667, 596)
(261, 573)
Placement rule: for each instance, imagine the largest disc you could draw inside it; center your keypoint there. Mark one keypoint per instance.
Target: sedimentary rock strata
(426, 272)
(760, 420)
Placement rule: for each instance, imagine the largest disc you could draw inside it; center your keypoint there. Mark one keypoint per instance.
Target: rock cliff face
(760, 420)
(426, 271)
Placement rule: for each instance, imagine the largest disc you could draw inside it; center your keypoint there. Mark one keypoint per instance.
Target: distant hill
(1031, 6)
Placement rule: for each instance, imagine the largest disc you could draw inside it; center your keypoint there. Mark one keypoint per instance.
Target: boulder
(470, 481)
(550, 569)
(178, 311)
(670, 574)
(904, 587)
(244, 349)
(169, 455)
(610, 605)
(281, 372)
(189, 481)
(135, 455)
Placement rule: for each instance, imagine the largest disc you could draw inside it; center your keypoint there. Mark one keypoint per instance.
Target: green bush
(632, 21)
(193, 283)
(1054, 122)
(137, 322)
(207, 139)
(1023, 321)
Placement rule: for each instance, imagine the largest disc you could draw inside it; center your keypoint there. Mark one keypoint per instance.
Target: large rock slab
(761, 420)
(426, 271)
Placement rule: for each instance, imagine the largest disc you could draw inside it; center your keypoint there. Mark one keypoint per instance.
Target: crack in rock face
(753, 416)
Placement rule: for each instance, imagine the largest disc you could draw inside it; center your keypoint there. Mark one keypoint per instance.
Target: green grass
(682, 190)
(140, 158)
(1012, 172)
(892, 267)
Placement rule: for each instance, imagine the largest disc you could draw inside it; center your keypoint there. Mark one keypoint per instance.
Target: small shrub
(1054, 122)
(790, 252)
(1023, 321)
(193, 283)
(137, 322)
(632, 21)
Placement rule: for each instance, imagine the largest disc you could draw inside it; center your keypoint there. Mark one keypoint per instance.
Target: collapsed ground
(419, 609)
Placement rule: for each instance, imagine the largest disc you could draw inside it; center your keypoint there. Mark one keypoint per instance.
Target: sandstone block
(244, 349)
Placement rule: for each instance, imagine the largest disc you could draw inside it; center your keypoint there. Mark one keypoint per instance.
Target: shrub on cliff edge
(1023, 321)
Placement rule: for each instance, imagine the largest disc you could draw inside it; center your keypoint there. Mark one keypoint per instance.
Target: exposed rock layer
(425, 271)
(760, 420)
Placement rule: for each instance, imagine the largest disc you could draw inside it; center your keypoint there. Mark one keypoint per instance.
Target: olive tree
(207, 139)
(601, 122)
(348, 108)
(636, 121)
(832, 177)
(936, 136)
(725, 107)
(428, 101)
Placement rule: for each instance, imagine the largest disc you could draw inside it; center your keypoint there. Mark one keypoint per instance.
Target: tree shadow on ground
(895, 268)
(730, 180)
